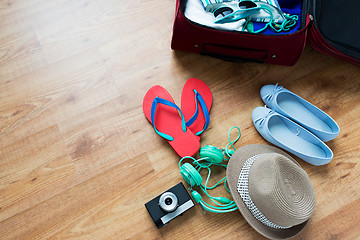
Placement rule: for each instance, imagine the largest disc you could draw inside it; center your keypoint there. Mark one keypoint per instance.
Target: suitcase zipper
(319, 38)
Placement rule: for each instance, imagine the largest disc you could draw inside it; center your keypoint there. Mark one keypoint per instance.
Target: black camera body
(169, 205)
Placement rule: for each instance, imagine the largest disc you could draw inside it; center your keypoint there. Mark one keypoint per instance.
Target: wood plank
(100, 199)
(103, 136)
(54, 94)
(17, 9)
(39, 169)
(338, 225)
(93, 24)
(20, 50)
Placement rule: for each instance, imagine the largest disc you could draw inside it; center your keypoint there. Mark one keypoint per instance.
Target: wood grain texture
(78, 159)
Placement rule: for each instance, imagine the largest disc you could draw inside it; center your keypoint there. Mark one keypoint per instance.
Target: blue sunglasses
(233, 11)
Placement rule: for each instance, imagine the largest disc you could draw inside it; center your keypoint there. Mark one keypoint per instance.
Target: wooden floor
(78, 159)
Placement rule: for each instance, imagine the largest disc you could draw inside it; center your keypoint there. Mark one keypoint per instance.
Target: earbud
(229, 152)
(196, 196)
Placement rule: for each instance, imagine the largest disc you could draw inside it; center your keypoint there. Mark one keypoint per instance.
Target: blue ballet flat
(290, 136)
(301, 111)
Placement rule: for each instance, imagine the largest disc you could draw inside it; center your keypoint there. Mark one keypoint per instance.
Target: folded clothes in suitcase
(331, 27)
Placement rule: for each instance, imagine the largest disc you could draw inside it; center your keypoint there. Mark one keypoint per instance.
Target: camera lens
(168, 202)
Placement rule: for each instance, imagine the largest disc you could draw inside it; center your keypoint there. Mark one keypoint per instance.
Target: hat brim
(233, 171)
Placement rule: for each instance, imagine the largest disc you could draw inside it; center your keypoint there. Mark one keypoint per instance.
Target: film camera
(169, 205)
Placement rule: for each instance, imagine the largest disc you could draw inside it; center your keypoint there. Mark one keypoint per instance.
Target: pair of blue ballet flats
(295, 125)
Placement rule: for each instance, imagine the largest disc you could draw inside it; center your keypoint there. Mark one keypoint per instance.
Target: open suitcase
(331, 27)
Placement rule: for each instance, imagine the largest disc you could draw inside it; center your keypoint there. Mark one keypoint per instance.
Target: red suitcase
(331, 27)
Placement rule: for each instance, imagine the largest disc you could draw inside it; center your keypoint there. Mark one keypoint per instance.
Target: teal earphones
(286, 25)
(209, 156)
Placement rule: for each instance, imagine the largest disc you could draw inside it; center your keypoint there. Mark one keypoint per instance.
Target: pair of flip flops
(183, 127)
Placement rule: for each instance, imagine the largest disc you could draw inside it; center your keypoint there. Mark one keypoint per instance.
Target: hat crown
(281, 190)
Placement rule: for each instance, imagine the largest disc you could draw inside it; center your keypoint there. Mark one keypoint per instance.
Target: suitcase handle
(233, 54)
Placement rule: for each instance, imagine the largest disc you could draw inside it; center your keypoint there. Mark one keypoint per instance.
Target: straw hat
(271, 190)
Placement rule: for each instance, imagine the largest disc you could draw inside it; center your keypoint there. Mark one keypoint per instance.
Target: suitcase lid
(338, 23)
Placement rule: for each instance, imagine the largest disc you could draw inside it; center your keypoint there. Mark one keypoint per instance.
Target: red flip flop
(160, 109)
(196, 100)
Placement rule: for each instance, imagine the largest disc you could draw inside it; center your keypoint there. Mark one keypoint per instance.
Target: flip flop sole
(188, 104)
(168, 120)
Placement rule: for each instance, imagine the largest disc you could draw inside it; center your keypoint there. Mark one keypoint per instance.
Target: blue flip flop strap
(199, 99)
(155, 102)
